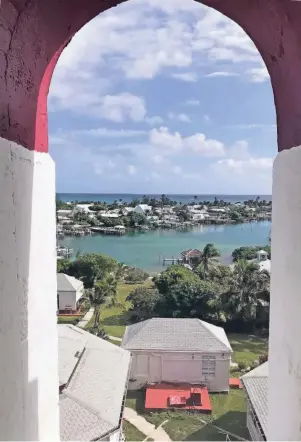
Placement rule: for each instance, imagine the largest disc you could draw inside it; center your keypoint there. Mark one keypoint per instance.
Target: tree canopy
(173, 275)
(249, 252)
(91, 267)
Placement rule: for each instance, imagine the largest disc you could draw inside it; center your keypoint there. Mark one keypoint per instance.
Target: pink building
(33, 34)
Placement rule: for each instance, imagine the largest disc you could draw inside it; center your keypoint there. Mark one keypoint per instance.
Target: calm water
(145, 250)
(185, 199)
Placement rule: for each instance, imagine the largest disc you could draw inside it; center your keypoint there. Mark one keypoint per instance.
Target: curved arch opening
(201, 63)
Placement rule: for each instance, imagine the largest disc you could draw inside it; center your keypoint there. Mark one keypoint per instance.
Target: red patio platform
(235, 383)
(163, 396)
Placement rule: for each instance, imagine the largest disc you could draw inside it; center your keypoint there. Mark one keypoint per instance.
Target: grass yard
(114, 319)
(229, 413)
(132, 433)
(247, 348)
(68, 319)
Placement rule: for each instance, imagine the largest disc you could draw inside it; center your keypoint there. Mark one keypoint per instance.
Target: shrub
(136, 276)
(263, 358)
(242, 365)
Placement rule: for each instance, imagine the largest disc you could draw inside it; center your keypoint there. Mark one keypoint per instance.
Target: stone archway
(33, 34)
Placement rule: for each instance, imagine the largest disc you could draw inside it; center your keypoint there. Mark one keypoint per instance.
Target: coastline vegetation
(235, 297)
(150, 213)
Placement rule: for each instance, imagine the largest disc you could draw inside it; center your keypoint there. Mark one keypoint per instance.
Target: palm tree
(248, 291)
(100, 293)
(209, 259)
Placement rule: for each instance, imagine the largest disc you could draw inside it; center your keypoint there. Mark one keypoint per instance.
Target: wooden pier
(172, 260)
(108, 231)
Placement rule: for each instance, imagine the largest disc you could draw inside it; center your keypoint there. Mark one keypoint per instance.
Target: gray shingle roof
(256, 385)
(91, 403)
(175, 334)
(66, 283)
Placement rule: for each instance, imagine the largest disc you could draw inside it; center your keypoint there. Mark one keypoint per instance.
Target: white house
(105, 214)
(127, 210)
(178, 350)
(255, 384)
(263, 261)
(64, 213)
(69, 292)
(93, 378)
(142, 208)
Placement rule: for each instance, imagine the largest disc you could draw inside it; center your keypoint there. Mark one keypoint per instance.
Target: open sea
(128, 197)
(146, 250)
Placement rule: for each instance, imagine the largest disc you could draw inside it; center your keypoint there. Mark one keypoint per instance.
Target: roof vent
(77, 354)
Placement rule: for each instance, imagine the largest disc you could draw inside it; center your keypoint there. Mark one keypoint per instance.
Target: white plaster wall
(115, 437)
(28, 336)
(67, 298)
(253, 429)
(284, 399)
(218, 383)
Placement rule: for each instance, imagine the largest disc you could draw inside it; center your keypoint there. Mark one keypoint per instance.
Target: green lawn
(247, 348)
(68, 319)
(229, 413)
(131, 432)
(114, 319)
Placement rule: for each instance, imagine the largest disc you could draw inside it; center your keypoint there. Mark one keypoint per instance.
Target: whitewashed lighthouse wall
(285, 310)
(28, 336)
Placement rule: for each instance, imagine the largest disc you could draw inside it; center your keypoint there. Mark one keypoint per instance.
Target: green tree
(249, 252)
(99, 295)
(62, 265)
(209, 259)
(190, 299)
(248, 291)
(134, 275)
(218, 274)
(144, 302)
(172, 276)
(90, 267)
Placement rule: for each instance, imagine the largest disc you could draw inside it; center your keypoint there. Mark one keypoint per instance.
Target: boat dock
(109, 230)
(172, 260)
(63, 252)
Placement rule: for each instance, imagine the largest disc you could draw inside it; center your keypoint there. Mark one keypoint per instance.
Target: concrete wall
(285, 322)
(158, 366)
(28, 334)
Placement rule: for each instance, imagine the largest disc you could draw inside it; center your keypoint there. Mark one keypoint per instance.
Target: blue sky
(162, 97)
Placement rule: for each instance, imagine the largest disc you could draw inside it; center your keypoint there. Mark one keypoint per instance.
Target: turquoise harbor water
(127, 198)
(146, 250)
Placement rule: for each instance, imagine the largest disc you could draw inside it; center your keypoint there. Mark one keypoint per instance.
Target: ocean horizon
(180, 198)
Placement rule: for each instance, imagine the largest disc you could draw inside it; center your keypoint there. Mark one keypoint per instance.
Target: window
(208, 365)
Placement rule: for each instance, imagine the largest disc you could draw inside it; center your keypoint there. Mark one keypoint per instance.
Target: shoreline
(146, 250)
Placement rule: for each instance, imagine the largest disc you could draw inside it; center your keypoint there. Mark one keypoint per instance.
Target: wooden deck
(181, 397)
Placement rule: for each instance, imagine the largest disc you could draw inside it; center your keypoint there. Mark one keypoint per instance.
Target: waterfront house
(263, 261)
(127, 210)
(64, 213)
(143, 208)
(69, 292)
(255, 385)
(178, 350)
(82, 208)
(105, 214)
(93, 378)
(191, 256)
